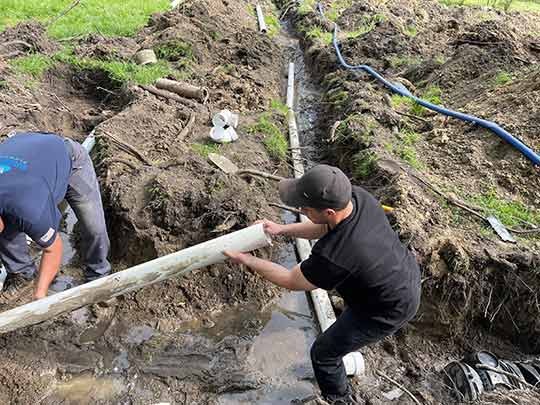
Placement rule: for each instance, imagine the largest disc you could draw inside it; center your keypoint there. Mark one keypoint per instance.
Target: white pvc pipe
(290, 87)
(173, 265)
(260, 17)
(354, 362)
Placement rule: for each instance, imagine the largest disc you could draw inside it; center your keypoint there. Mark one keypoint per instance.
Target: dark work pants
(84, 198)
(349, 333)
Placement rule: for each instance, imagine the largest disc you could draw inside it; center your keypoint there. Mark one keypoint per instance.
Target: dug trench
(147, 346)
(478, 292)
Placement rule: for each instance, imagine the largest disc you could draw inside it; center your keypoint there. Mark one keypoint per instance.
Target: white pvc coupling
(354, 364)
(224, 123)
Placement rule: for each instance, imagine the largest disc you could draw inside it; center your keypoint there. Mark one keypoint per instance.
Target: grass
(319, 34)
(507, 5)
(404, 148)
(364, 163)
(356, 128)
(121, 72)
(411, 31)
(431, 94)
(272, 24)
(503, 78)
(106, 17)
(306, 7)
(336, 9)
(399, 61)
(33, 65)
(279, 107)
(174, 51)
(275, 142)
(204, 149)
(510, 213)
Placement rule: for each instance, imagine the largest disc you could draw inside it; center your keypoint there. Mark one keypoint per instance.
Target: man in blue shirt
(37, 172)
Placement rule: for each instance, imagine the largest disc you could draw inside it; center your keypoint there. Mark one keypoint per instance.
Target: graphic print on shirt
(7, 163)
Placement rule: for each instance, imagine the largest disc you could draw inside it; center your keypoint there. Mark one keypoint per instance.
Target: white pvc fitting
(224, 118)
(354, 363)
(3, 275)
(260, 17)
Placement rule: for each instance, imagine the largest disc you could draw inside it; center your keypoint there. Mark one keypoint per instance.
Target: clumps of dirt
(29, 36)
(475, 61)
(98, 47)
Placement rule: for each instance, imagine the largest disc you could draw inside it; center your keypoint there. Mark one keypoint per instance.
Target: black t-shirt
(364, 260)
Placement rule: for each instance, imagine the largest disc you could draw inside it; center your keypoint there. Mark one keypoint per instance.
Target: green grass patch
(431, 95)
(507, 5)
(273, 25)
(306, 7)
(510, 213)
(364, 163)
(503, 78)
(121, 72)
(404, 148)
(174, 51)
(410, 31)
(319, 34)
(106, 17)
(337, 8)
(399, 61)
(275, 142)
(33, 65)
(204, 149)
(279, 107)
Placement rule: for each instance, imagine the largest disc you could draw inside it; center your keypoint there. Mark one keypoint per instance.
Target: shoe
(91, 276)
(15, 287)
(348, 399)
(310, 400)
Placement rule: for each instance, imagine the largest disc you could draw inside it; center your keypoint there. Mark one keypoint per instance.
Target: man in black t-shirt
(357, 254)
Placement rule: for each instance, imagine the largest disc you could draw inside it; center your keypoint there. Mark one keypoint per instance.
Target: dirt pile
(472, 60)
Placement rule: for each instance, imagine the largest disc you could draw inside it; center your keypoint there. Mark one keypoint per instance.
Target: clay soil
(478, 292)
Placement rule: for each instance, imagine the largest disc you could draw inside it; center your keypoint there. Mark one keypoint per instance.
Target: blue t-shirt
(34, 176)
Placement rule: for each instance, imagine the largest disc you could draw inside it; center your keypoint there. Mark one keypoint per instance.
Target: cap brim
(289, 193)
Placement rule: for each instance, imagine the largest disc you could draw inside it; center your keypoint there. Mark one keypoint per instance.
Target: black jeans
(349, 333)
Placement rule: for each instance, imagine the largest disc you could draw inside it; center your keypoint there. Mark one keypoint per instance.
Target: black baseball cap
(321, 187)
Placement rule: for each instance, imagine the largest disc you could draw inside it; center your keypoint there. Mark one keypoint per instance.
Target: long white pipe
(173, 265)
(260, 17)
(290, 87)
(354, 362)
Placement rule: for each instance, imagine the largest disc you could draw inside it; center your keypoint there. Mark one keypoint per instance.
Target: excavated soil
(478, 291)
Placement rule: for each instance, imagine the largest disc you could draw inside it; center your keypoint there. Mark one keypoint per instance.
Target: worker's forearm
(304, 230)
(272, 272)
(49, 266)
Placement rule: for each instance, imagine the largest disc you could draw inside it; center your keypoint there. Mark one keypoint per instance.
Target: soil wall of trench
(478, 291)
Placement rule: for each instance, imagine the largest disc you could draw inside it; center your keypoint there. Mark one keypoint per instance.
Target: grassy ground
(509, 5)
(107, 17)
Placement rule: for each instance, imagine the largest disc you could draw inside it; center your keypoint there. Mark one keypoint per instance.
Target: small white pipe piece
(290, 86)
(260, 17)
(173, 265)
(90, 141)
(354, 362)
